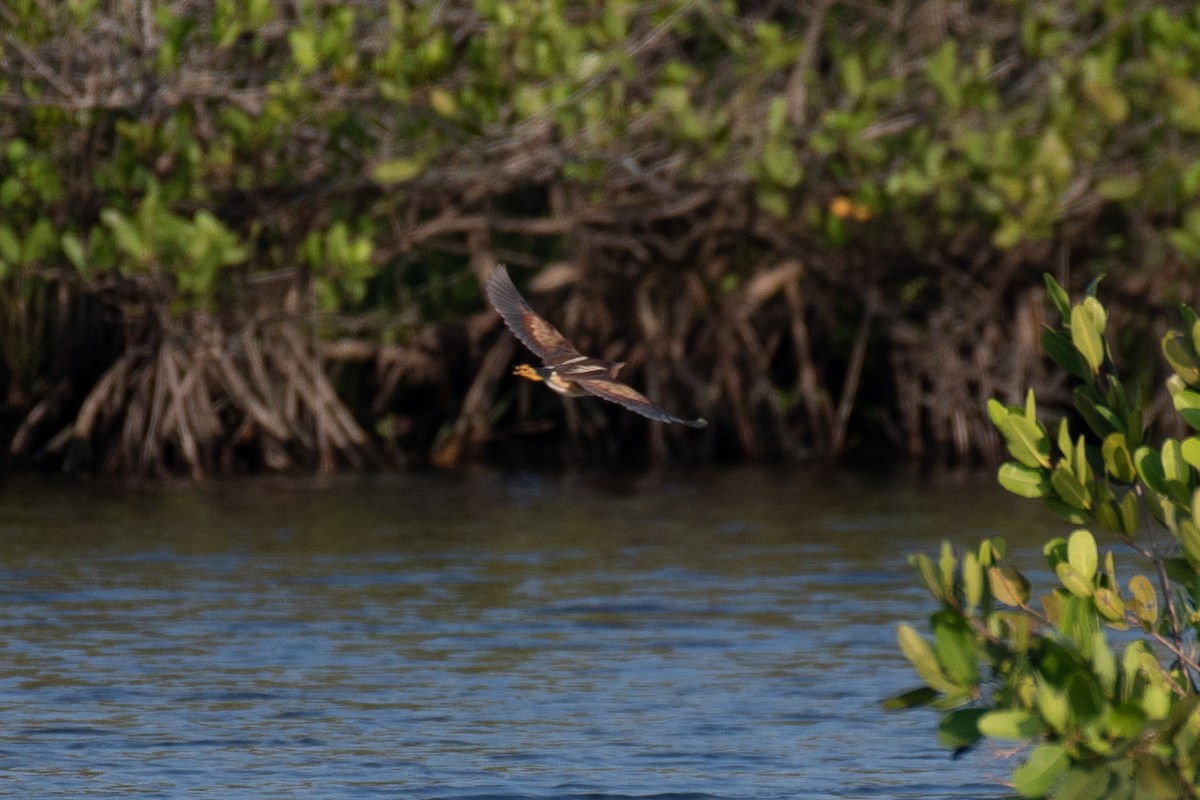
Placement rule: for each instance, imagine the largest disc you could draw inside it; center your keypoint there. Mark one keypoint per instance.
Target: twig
(42, 68)
(1155, 556)
(797, 85)
(837, 437)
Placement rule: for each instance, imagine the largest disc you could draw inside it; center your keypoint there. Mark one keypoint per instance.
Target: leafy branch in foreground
(1104, 716)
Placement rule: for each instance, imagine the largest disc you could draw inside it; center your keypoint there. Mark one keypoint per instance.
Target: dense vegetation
(1108, 716)
(249, 233)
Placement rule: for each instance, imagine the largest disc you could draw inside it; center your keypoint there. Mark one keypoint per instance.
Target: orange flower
(844, 207)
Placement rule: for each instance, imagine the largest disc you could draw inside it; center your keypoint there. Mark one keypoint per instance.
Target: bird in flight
(566, 370)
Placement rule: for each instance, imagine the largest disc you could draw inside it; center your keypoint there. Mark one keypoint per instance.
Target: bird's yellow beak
(526, 371)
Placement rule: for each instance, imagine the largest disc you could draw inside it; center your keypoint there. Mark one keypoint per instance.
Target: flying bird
(566, 370)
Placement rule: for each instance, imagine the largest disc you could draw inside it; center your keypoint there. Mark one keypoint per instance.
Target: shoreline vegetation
(250, 235)
(1089, 715)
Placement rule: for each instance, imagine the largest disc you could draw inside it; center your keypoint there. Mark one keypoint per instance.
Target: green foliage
(156, 240)
(377, 148)
(1102, 719)
(341, 264)
(976, 142)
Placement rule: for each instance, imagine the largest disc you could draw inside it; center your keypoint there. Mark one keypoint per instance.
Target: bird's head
(526, 371)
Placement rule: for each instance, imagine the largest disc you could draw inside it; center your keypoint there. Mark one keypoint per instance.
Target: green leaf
(1053, 706)
(1180, 571)
(1060, 349)
(1008, 586)
(928, 574)
(1173, 465)
(1027, 441)
(1055, 551)
(924, 661)
(781, 165)
(1189, 448)
(1023, 481)
(127, 236)
(1133, 427)
(972, 581)
(1187, 403)
(1109, 604)
(1081, 553)
(1052, 605)
(947, 564)
(1156, 780)
(1129, 513)
(399, 170)
(1143, 601)
(1088, 783)
(10, 245)
(996, 546)
(1071, 514)
(1104, 661)
(1157, 698)
(1120, 187)
(991, 551)
(1189, 538)
(1133, 660)
(997, 411)
(1045, 765)
(1054, 157)
(954, 644)
(442, 102)
(1191, 321)
(1118, 461)
(960, 728)
(1073, 580)
(303, 42)
(1182, 357)
(913, 698)
(1064, 444)
(1087, 328)
(1082, 467)
(1058, 296)
(1109, 517)
(1069, 488)
(1149, 466)
(941, 69)
(1099, 417)
(73, 248)
(1012, 723)
(1083, 692)
(1126, 720)
(775, 201)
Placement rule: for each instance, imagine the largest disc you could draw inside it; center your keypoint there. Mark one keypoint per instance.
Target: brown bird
(566, 370)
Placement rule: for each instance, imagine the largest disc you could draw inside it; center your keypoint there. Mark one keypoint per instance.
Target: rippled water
(723, 635)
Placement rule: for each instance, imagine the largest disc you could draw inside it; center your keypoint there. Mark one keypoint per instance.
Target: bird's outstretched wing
(620, 393)
(536, 333)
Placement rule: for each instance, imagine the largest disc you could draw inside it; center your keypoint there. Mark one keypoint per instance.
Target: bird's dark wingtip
(500, 289)
(499, 273)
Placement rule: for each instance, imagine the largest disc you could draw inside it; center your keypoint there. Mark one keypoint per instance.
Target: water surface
(724, 635)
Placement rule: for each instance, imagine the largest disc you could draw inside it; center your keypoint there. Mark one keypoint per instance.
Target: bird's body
(558, 380)
(566, 370)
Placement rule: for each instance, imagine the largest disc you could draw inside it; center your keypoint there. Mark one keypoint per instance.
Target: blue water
(719, 635)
